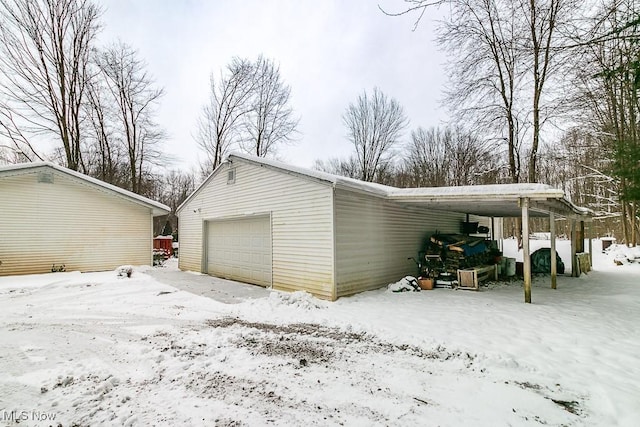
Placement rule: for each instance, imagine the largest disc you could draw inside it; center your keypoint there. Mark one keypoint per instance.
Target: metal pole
(525, 250)
(574, 264)
(554, 264)
(590, 234)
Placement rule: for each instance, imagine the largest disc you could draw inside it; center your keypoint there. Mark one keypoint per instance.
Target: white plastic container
(510, 267)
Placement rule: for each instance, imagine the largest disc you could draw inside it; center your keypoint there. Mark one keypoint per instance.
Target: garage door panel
(240, 249)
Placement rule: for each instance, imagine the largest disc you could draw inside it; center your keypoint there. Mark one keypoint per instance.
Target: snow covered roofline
(336, 180)
(540, 191)
(157, 209)
(497, 200)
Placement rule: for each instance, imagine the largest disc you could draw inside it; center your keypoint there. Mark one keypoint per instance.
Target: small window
(45, 177)
(231, 176)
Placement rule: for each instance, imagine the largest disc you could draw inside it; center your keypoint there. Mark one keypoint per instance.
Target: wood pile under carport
(458, 251)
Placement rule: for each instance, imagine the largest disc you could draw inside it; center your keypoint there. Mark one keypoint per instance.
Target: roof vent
(45, 177)
(231, 176)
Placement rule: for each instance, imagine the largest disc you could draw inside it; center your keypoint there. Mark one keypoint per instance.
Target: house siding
(301, 222)
(374, 238)
(69, 222)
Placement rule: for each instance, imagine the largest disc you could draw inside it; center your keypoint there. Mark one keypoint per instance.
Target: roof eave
(319, 177)
(360, 189)
(461, 196)
(157, 208)
(201, 186)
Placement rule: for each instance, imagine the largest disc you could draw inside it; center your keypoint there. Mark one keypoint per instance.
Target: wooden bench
(470, 278)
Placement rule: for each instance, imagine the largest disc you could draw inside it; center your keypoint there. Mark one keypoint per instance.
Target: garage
(261, 221)
(240, 249)
(56, 219)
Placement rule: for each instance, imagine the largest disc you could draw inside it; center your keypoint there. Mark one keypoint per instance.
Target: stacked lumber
(459, 252)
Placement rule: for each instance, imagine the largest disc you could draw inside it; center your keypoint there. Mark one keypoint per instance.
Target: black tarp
(541, 261)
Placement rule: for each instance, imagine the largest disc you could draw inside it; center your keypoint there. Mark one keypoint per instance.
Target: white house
(51, 216)
(264, 222)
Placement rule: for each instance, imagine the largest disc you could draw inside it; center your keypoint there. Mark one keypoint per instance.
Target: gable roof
(499, 200)
(157, 209)
(335, 180)
(319, 176)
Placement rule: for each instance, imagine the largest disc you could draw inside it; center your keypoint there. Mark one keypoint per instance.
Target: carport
(269, 223)
(510, 201)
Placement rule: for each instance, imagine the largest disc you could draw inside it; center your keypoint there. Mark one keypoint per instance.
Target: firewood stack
(458, 251)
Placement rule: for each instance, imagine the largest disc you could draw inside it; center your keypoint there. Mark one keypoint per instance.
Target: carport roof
(496, 200)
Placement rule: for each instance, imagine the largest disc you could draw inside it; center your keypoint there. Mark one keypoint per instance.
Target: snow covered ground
(95, 349)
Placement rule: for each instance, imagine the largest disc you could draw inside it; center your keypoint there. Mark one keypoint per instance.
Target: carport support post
(574, 249)
(554, 264)
(590, 236)
(525, 250)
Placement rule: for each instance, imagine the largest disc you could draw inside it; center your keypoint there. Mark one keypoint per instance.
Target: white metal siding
(240, 249)
(301, 220)
(374, 238)
(68, 222)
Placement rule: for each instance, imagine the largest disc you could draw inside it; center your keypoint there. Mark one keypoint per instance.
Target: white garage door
(240, 249)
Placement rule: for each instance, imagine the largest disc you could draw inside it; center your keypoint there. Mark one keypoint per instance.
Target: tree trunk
(625, 227)
(634, 223)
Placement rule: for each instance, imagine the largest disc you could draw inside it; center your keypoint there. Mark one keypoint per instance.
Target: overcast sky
(329, 51)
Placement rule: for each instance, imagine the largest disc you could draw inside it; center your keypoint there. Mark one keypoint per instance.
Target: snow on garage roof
(158, 209)
(499, 200)
(356, 184)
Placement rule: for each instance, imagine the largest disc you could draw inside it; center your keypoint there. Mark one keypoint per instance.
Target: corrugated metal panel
(302, 223)
(65, 221)
(374, 238)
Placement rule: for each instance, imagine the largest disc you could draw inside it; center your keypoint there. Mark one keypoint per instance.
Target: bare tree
(336, 166)
(175, 187)
(544, 19)
(136, 97)
(9, 154)
(248, 108)
(105, 157)
(449, 157)
(426, 160)
(504, 55)
(608, 78)
(220, 123)
(17, 143)
(44, 52)
(271, 121)
(375, 124)
(486, 85)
